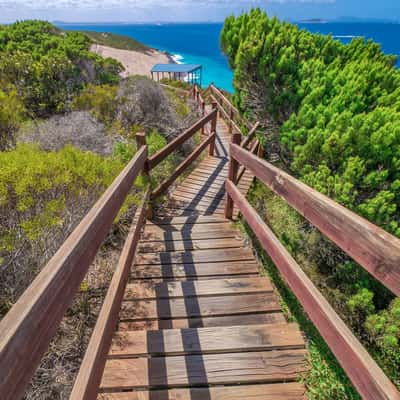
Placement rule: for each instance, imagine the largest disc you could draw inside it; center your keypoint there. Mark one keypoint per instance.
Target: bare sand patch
(135, 62)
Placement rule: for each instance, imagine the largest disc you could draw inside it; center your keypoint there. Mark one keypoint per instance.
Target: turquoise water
(199, 43)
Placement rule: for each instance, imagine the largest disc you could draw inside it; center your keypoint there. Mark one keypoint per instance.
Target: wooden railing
(209, 141)
(30, 325)
(228, 110)
(27, 329)
(374, 249)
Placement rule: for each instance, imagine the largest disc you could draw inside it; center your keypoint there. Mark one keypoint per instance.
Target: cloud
(146, 4)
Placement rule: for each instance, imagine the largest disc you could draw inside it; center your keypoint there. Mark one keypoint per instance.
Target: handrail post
(260, 151)
(213, 130)
(233, 170)
(140, 142)
(231, 116)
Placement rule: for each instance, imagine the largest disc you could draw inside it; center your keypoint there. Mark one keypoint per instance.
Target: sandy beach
(135, 63)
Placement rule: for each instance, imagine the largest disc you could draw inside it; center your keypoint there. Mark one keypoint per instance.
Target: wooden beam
(367, 377)
(233, 170)
(183, 166)
(246, 141)
(27, 329)
(375, 249)
(174, 144)
(91, 370)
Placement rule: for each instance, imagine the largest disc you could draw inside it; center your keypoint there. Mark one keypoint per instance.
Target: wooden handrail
(88, 380)
(367, 377)
(246, 141)
(184, 165)
(27, 329)
(231, 107)
(373, 248)
(174, 144)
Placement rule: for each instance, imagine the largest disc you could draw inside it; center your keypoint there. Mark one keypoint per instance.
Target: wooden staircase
(187, 314)
(197, 318)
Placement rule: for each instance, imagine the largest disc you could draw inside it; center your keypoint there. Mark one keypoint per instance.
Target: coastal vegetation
(332, 113)
(67, 128)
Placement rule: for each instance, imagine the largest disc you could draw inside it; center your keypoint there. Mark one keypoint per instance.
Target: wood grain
(199, 307)
(367, 377)
(190, 270)
(206, 340)
(226, 320)
(170, 290)
(277, 391)
(209, 369)
(89, 376)
(372, 247)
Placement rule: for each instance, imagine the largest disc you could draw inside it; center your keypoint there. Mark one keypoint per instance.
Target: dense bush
(40, 203)
(48, 66)
(11, 111)
(337, 110)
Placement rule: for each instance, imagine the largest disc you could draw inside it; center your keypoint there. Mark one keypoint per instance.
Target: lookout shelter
(190, 73)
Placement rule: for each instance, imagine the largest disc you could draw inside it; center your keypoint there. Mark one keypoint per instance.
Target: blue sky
(191, 10)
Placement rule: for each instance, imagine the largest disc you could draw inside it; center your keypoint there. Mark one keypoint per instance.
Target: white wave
(177, 58)
(345, 36)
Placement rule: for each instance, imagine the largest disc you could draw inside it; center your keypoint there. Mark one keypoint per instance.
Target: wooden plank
(376, 250)
(199, 307)
(27, 329)
(226, 320)
(219, 287)
(185, 245)
(174, 144)
(177, 235)
(186, 220)
(231, 339)
(365, 374)
(187, 190)
(197, 200)
(183, 166)
(89, 376)
(197, 257)
(210, 369)
(277, 391)
(206, 227)
(246, 141)
(194, 270)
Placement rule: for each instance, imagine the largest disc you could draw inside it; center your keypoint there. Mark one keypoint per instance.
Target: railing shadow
(195, 370)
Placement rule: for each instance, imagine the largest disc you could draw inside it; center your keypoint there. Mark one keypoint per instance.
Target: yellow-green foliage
(35, 187)
(180, 104)
(101, 100)
(11, 110)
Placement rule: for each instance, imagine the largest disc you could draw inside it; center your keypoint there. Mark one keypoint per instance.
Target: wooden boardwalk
(198, 322)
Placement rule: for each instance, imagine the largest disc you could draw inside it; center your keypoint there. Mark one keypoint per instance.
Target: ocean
(198, 43)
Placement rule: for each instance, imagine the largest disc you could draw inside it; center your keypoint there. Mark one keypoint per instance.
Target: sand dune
(135, 63)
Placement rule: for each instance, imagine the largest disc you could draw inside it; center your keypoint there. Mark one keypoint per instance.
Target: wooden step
(199, 307)
(228, 320)
(277, 391)
(206, 340)
(194, 270)
(202, 370)
(177, 221)
(186, 233)
(194, 257)
(217, 287)
(186, 245)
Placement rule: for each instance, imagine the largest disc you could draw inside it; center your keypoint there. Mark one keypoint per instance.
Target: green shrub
(48, 66)
(43, 195)
(101, 100)
(11, 111)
